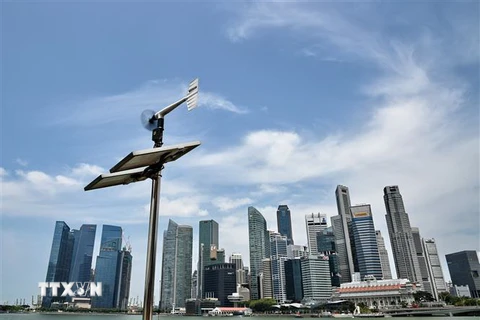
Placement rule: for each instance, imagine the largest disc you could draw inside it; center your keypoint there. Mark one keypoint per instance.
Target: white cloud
(3, 172)
(181, 207)
(87, 170)
(21, 162)
(226, 204)
(215, 101)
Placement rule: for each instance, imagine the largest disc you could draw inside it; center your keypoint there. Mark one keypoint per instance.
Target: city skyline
(295, 98)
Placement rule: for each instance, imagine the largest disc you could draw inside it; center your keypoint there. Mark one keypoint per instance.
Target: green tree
(262, 305)
(423, 296)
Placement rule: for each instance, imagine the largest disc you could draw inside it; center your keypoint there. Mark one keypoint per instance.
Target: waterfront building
(293, 280)
(284, 223)
(84, 241)
(465, 270)
(366, 258)
(460, 291)
(401, 237)
(340, 224)
(107, 267)
(124, 276)
(207, 249)
(383, 253)
(378, 293)
(316, 280)
(259, 247)
(265, 279)
(326, 247)
(422, 262)
(176, 266)
(278, 256)
(434, 267)
(60, 260)
(236, 258)
(220, 282)
(314, 222)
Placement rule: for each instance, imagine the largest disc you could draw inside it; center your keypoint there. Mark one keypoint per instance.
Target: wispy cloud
(226, 204)
(21, 162)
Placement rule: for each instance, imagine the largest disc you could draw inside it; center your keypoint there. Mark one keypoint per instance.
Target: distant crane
(127, 246)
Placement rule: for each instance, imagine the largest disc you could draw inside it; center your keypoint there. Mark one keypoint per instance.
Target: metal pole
(151, 248)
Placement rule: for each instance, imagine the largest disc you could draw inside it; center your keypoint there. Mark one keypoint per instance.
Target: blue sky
(295, 99)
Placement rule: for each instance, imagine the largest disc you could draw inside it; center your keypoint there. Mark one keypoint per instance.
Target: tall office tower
(326, 247)
(293, 280)
(176, 266)
(401, 238)
(278, 255)
(236, 259)
(259, 247)
(220, 256)
(193, 290)
(107, 266)
(265, 279)
(340, 224)
(422, 261)
(383, 253)
(434, 267)
(82, 253)
(367, 260)
(465, 270)
(60, 260)
(220, 282)
(315, 222)
(124, 276)
(316, 278)
(296, 251)
(207, 249)
(284, 222)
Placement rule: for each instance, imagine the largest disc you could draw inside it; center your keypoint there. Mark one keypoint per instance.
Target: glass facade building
(383, 253)
(293, 280)
(326, 247)
(259, 248)
(284, 223)
(465, 270)
(176, 266)
(83, 253)
(207, 249)
(220, 282)
(315, 223)
(278, 256)
(367, 259)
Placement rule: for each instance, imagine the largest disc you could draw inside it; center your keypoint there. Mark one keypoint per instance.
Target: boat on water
(342, 315)
(369, 315)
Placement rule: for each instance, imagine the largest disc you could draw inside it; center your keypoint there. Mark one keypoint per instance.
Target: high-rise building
(265, 279)
(107, 267)
(401, 238)
(293, 280)
(220, 282)
(83, 253)
(315, 222)
(367, 259)
(316, 279)
(434, 267)
(124, 276)
(259, 247)
(176, 266)
(207, 249)
(60, 260)
(326, 247)
(236, 259)
(278, 256)
(465, 270)
(383, 253)
(284, 222)
(296, 251)
(340, 224)
(422, 261)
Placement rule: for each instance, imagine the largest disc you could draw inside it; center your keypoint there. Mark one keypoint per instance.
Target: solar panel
(148, 157)
(118, 178)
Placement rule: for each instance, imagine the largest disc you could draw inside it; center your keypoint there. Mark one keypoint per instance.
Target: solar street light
(148, 164)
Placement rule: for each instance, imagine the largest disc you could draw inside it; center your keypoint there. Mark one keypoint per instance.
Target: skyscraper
(401, 238)
(293, 280)
(176, 266)
(434, 267)
(367, 259)
(124, 276)
(83, 253)
(315, 222)
(259, 247)
(278, 256)
(284, 222)
(383, 253)
(220, 282)
(107, 267)
(236, 259)
(465, 270)
(265, 279)
(207, 249)
(422, 261)
(60, 260)
(316, 279)
(340, 224)
(326, 247)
